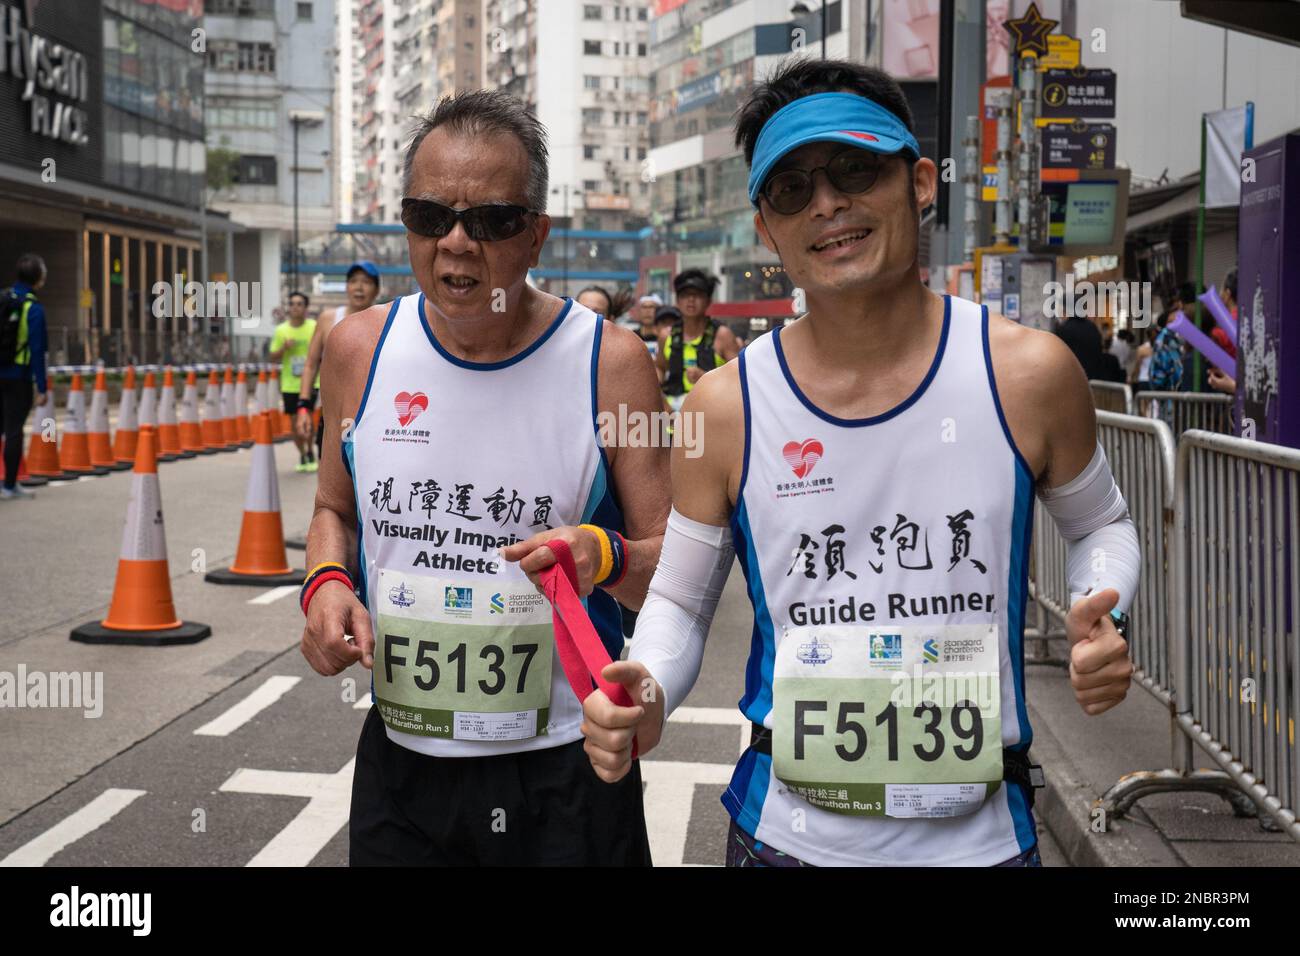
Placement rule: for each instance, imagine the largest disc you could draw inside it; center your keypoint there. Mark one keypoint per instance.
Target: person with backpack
(22, 360)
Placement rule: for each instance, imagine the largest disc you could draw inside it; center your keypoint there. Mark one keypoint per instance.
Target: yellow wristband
(326, 564)
(606, 552)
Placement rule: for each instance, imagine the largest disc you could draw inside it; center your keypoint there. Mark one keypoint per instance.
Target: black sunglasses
(490, 223)
(851, 171)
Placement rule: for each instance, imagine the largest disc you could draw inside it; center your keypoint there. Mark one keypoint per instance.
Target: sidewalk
(1083, 756)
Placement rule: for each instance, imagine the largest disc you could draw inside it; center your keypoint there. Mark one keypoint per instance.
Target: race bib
(297, 363)
(898, 721)
(462, 660)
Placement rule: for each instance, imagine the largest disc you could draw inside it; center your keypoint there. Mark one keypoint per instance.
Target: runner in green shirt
(289, 345)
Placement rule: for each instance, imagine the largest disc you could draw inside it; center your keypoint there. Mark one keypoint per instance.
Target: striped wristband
(606, 552)
(325, 571)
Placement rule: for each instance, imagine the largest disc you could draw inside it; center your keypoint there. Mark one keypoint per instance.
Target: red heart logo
(802, 456)
(409, 405)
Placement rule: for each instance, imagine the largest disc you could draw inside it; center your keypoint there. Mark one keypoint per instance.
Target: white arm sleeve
(1102, 548)
(674, 620)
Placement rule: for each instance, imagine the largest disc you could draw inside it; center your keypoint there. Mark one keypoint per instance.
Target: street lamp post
(801, 9)
(568, 227)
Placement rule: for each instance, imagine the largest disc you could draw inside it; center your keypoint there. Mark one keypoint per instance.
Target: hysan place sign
(55, 78)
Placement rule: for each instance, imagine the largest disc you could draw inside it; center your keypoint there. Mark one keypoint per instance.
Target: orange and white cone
(259, 396)
(147, 413)
(142, 610)
(25, 477)
(283, 423)
(213, 439)
(229, 431)
(243, 428)
(260, 558)
(101, 443)
(128, 422)
(43, 450)
(190, 429)
(169, 433)
(74, 452)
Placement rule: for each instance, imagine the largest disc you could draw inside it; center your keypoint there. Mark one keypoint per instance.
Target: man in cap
(696, 344)
(362, 291)
(873, 466)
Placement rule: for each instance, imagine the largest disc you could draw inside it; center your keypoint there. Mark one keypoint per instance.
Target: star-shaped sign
(1029, 33)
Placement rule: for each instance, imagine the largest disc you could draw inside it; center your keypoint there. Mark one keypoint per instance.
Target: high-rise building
(583, 68)
(410, 53)
(270, 108)
(705, 57)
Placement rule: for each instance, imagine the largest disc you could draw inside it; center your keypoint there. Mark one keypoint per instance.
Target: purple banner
(1268, 283)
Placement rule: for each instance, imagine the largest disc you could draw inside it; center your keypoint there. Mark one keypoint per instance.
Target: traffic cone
(284, 423)
(229, 432)
(147, 413)
(142, 611)
(190, 430)
(259, 396)
(243, 428)
(169, 433)
(25, 477)
(74, 452)
(101, 444)
(212, 431)
(43, 452)
(128, 423)
(260, 558)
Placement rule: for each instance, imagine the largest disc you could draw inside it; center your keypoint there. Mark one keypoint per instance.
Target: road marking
(272, 690)
(71, 829)
(329, 798)
(669, 793)
(714, 715)
(275, 594)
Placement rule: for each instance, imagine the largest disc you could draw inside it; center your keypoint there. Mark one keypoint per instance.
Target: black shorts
(538, 808)
(292, 402)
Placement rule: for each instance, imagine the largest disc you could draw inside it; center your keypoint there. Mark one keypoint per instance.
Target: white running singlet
(875, 549)
(451, 460)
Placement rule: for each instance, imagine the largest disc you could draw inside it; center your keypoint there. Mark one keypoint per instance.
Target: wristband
(325, 564)
(606, 552)
(325, 571)
(618, 546)
(309, 590)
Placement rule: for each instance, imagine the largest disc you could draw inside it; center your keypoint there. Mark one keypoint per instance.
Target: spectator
(1084, 339)
(22, 363)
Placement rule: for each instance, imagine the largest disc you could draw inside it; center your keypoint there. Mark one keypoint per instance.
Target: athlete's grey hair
(478, 112)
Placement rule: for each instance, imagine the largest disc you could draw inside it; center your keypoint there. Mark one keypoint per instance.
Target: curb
(1065, 806)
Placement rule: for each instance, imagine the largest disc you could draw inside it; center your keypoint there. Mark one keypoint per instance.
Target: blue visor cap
(366, 266)
(822, 117)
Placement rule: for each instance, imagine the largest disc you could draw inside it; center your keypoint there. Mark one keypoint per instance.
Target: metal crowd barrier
(1238, 568)
(1234, 650)
(1111, 397)
(1182, 411)
(1141, 454)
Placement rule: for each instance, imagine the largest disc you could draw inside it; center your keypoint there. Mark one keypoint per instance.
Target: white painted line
(274, 594)
(89, 818)
(329, 799)
(272, 690)
(669, 792)
(714, 715)
(709, 715)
